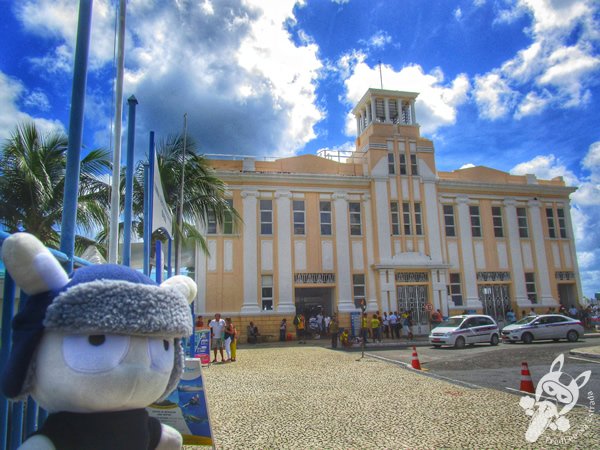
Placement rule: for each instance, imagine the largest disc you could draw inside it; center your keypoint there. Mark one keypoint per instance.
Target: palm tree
(204, 192)
(32, 179)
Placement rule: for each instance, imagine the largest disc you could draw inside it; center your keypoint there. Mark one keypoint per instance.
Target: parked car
(465, 329)
(546, 326)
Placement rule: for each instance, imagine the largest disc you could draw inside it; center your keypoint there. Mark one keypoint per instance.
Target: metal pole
(146, 220)
(113, 240)
(132, 102)
(178, 233)
(169, 253)
(159, 262)
(67, 228)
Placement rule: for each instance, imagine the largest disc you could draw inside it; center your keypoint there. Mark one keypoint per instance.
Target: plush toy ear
(183, 284)
(31, 264)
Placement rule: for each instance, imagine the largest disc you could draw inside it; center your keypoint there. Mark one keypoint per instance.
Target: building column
(358, 130)
(468, 258)
(200, 272)
(543, 281)
(368, 115)
(250, 244)
(571, 236)
(413, 117)
(382, 207)
(399, 108)
(371, 280)
(285, 278)
(516, 258)
(386, 103)
(342, 236)
(373, 110)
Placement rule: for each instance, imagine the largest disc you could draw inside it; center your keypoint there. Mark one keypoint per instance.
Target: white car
(458, 331)
(547, 326)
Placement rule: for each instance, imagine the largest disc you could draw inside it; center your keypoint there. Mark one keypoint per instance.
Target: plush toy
(95, 350)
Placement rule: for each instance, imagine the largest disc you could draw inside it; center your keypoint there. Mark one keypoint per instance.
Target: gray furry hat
(98, 299)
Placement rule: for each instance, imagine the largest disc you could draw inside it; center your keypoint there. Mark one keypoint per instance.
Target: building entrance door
(566, 294)
(495, 299)
(311, 301)
(414, 298)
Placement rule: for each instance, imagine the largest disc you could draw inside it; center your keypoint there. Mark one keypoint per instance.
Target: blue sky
(510, 84)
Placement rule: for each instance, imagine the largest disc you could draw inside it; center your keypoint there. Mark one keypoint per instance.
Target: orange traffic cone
(415, 360)
(526, 381)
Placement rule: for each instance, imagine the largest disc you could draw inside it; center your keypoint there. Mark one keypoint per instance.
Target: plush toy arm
(37, 442)
(170, 439)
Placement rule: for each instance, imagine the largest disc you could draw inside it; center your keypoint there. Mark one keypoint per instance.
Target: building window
(395, 218)
(325, 215)
(402, 164)
(299, 216)
(454, 289)
(497, 219)
(413, 165)
(211, 223)
(475, 221)
(227, 226)
(355, 225)
(406, 218)
(391, 164)
(358, 286)
(562, 225)
(267, 292)
(266, 217)
(522, 220)
(530, 287)
(418, 220)
(550, 221)
(228, 218)
(449, 220)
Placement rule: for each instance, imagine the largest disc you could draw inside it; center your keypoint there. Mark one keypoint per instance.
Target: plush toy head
(108, 339)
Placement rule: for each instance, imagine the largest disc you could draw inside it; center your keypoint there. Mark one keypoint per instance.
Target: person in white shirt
(217, 328)
(393, 319)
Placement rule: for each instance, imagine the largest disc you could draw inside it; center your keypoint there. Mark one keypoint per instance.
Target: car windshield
(525, 320)
(452, 322)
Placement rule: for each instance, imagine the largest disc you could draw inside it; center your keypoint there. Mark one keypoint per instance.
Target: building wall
(403, 264)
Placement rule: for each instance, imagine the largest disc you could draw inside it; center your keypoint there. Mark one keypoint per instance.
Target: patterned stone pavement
(315, 398)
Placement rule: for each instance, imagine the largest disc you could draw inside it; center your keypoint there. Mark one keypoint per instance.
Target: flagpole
(113, 240)
(179, 231)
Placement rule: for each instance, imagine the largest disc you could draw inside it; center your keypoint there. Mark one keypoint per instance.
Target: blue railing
(18, 419)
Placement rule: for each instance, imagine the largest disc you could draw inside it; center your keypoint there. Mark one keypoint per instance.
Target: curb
(584, 354)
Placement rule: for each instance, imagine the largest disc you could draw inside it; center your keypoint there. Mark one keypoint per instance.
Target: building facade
(385, 226)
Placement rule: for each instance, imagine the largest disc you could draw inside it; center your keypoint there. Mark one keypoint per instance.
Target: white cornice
(293, 178)
(472, 186)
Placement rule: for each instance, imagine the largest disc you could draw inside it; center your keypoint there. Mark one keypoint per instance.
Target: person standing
(364, 328)
(300, 325)
(386, 325)
(282, 329)
(217, 327)
(228, 336)
(234, 343)
(436, 318)
(393, 318)
(334, 329)
(375, 324)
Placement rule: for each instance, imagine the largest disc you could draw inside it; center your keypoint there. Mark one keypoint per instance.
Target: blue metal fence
(19, 419)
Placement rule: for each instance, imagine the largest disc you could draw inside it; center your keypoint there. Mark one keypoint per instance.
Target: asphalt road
(500, 367)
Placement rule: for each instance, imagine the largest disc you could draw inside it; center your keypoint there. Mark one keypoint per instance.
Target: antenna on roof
(380, 76)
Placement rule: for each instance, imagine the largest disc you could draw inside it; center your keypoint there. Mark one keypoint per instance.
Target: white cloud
(467, 166)
(493, 95)
(556, 69)
(246, 83)
(37, 99)
(437, 101)
(458, 14)
(546, 167)
(378, 40)
(11, 92)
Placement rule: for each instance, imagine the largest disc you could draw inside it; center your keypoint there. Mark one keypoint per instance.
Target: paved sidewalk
(588, 352)
(308, 397)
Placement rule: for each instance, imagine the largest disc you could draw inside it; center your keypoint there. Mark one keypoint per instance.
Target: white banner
(161, 214)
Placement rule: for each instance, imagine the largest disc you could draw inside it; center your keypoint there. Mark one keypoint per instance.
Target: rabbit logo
(556, 388)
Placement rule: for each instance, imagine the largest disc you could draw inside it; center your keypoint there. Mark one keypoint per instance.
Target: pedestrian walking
(217, 328)
(375, 328)
(364, 328)
(393, 318)
(334, 329)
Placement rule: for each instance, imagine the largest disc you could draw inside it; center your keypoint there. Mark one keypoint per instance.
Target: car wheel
(527, 338)
(495, 339)
(460, 342)
(572, 336)
(437, 346)
(556, 340)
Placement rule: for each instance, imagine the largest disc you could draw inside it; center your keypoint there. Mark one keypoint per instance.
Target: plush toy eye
(161, 354)
(94, 353)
